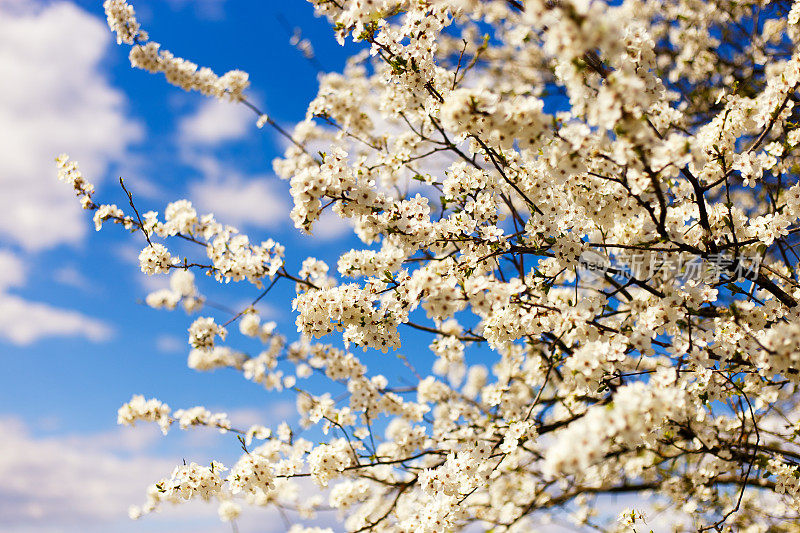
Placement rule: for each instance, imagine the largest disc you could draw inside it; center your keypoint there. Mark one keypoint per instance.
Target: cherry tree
(591, 208)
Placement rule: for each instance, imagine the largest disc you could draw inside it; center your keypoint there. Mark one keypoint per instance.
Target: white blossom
(156, 259)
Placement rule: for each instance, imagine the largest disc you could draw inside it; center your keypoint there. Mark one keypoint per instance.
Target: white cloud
(266, 310)
(207, 9)
(84, 483)
(23, 322)
(47, 481)
(136, 440)
(55, 98)
(331, 226)
(271, 416)
(257, 202)
(216, 121)
(152, 283)
(234, 199)
(171, 344)
(128, 252)
(71, 276)
(12, 270)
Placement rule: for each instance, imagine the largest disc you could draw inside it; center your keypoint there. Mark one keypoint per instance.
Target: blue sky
(74, 342)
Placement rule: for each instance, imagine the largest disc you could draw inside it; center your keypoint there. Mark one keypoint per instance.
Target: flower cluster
(200, 416)
(122, 21)
(180, 72)
(150, 410)
(193, 480)
(156, 259)
(252, 473)
(69, 173)
(202, 333)
(181, 289)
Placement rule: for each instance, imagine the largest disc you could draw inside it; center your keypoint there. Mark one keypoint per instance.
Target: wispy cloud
(84, 483)
(23, 322)
(216, 121)
(51, 481)
(257, 201)
(12, 270)
(207, 9)
(331, 226)
(170, 344)
(71, 277)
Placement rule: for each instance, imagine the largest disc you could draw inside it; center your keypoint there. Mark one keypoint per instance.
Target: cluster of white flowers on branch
(481, 149)
(149, 56)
